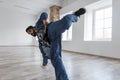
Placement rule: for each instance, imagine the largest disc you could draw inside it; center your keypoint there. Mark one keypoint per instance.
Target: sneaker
(79, 12)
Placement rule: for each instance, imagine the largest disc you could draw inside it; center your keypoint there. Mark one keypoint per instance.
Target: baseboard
(93, 55)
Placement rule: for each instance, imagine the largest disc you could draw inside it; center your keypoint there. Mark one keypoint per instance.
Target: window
(98, 21)
(102, 29)
(67, 35)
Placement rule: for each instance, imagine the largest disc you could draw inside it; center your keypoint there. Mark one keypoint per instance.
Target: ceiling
(29, 6)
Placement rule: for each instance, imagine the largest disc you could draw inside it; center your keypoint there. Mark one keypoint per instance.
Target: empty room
(59, 40)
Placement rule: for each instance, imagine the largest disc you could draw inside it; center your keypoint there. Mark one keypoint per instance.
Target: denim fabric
(39, 24)
(45, 58)
(55, 31)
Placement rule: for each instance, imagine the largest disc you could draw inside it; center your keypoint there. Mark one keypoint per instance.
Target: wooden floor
(24, 63)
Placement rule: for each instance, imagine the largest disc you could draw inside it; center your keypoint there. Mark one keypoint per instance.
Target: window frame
(93, 25)
(67, 34)
(89, 17)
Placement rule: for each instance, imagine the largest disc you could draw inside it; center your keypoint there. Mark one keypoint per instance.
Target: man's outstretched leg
(60, 26)
(55, 30)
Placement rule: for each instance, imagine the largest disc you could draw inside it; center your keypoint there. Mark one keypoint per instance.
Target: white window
(102, 28)
(67, 35)
(98, 21)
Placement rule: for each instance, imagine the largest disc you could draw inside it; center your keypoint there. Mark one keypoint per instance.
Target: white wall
(12, 27)
(110, 49)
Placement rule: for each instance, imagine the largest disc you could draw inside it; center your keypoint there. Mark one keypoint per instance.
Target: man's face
(32, 32)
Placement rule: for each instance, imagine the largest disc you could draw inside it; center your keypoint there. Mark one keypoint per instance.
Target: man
(34, 31)
(55, 30)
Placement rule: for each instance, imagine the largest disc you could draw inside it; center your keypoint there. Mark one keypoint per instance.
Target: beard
(34, 34)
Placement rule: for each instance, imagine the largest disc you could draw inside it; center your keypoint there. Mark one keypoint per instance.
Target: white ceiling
(29, 6)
